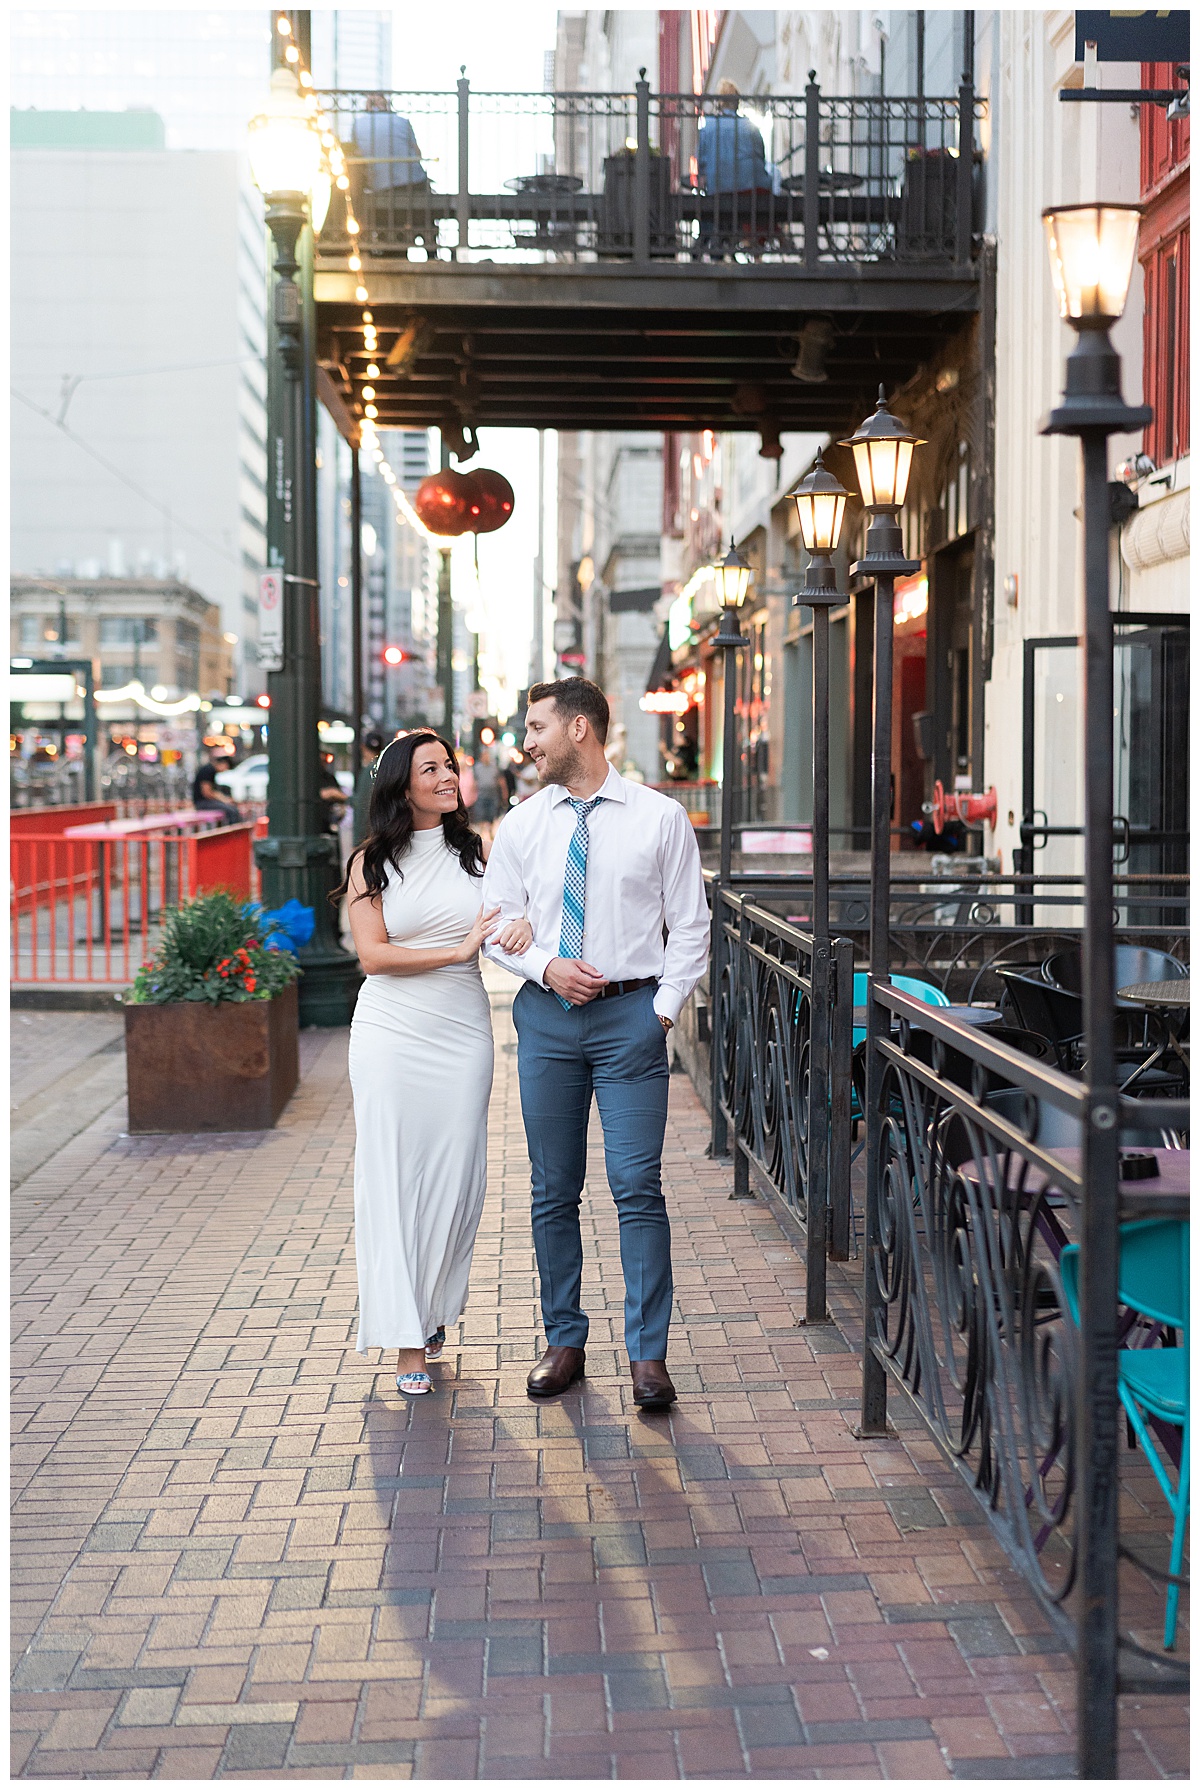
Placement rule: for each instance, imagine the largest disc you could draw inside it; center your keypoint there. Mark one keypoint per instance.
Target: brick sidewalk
(239, 1553)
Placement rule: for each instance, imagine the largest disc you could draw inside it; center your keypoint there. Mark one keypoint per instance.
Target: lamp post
(1092, 248)
(883, 450)
(820, 507)
(298, 858)
(733, 581)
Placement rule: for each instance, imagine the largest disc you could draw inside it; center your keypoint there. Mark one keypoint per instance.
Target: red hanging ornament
(493, 503)
(443, 502)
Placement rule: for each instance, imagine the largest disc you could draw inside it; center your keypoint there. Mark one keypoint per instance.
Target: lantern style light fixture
(820, 501)
(285, 142)
(733, 582)
(1092, 249)
(883, 450)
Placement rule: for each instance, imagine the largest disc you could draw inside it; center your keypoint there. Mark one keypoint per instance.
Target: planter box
(195, 1067)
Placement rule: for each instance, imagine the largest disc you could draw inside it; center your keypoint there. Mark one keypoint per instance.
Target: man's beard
(565, 767)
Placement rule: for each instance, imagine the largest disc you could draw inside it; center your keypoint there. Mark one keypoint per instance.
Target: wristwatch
(665, 1023)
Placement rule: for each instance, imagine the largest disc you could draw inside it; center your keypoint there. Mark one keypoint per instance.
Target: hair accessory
(379, 759)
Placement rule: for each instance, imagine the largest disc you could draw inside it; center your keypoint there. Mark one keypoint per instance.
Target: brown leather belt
(611, 988)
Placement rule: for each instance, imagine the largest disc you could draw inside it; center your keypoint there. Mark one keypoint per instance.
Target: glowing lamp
(732, 579)
(285, 143)
(820, 506)
(883, 450)
(665, 702)
(1092, 249)
(394, 655)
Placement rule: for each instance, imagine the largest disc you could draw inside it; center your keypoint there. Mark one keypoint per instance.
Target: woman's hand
(479, 935)
(516, 937)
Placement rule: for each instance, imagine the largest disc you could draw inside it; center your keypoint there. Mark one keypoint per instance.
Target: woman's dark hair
(391, 820)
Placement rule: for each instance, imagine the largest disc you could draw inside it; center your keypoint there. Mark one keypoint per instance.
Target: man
(732, 165)
(395, 193)
(599, 866)
(208, 797)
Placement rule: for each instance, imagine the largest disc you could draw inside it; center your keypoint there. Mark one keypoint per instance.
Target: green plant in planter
(212, 949)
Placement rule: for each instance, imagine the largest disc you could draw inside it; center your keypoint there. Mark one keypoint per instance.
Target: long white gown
(421, 1073)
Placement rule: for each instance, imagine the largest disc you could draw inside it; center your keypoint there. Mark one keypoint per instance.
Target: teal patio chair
(1152, 1277)
(920, 991)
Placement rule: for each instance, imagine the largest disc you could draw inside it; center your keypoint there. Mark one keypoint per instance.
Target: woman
(420, 1053)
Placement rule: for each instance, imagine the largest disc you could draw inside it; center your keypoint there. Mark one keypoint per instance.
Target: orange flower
(251, 984)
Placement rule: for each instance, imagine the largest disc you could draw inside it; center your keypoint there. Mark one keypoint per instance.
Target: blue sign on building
(1134, 36)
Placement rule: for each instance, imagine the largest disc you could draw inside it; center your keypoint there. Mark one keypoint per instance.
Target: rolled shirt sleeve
(685, 911)
(503, 887)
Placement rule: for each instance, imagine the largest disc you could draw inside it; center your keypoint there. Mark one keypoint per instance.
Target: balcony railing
(552, 177)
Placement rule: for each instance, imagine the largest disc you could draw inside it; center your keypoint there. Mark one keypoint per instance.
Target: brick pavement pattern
(240, 1553)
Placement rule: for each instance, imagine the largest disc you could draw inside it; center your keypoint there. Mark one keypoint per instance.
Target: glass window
(128, 630)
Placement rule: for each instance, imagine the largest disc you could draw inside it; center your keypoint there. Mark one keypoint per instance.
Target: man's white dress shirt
(643, 873)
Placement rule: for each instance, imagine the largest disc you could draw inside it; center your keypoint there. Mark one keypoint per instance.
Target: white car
(247, 782)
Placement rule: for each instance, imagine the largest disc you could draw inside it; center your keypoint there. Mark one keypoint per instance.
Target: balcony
(580, 260)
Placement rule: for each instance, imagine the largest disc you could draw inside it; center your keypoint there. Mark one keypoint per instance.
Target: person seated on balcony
(731, 160)
(394, 186)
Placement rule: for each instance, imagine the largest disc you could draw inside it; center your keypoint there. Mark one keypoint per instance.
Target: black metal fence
(769, 1037)
(978, 1185)
(579, 176)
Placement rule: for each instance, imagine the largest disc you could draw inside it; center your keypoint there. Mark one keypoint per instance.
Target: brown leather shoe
(557, 1369)
(652, 1388)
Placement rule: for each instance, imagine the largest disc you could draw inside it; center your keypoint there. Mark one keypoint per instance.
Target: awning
(661, 670)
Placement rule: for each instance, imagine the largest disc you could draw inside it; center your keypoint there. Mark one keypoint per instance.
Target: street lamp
(298, 858)
(1092, 250)
(883, 449)
(733, 581)
(732, 577)
(820, 501)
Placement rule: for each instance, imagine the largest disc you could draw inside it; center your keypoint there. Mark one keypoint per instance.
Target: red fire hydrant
(969, 808)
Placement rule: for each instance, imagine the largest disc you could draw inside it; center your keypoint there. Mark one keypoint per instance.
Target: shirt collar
(612, 789)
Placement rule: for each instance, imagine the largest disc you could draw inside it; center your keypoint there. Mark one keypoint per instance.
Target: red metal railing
(88, 910)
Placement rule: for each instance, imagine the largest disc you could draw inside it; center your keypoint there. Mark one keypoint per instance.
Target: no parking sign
(270, 621)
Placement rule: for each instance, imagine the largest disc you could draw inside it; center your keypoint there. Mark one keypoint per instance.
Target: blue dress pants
(617, 1050)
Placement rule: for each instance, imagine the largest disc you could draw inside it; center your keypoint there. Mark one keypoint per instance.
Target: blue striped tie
(570, 938)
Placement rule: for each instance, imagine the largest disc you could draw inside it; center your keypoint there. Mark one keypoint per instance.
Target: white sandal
(436, 1344)
(413, 1384)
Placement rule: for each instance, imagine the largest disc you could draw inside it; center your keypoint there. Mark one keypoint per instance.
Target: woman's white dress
(421, 1073)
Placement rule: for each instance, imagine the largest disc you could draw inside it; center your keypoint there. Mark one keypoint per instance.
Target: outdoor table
(966, 1014)
(1162, 1001)
(829, 180)
(175, 819)
(545, 183)
(1165, 1195)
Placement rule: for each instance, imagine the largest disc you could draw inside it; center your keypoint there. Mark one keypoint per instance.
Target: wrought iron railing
(583, 176)
(769, 1039)
(964, 1300)
(979, 1187)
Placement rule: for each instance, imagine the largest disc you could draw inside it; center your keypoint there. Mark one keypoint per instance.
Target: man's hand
(573, 979)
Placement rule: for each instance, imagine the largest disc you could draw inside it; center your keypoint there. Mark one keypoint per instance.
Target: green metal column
(298, 858)
(445, 642)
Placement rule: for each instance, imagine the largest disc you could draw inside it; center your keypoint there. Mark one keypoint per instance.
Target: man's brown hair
(573, 696)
